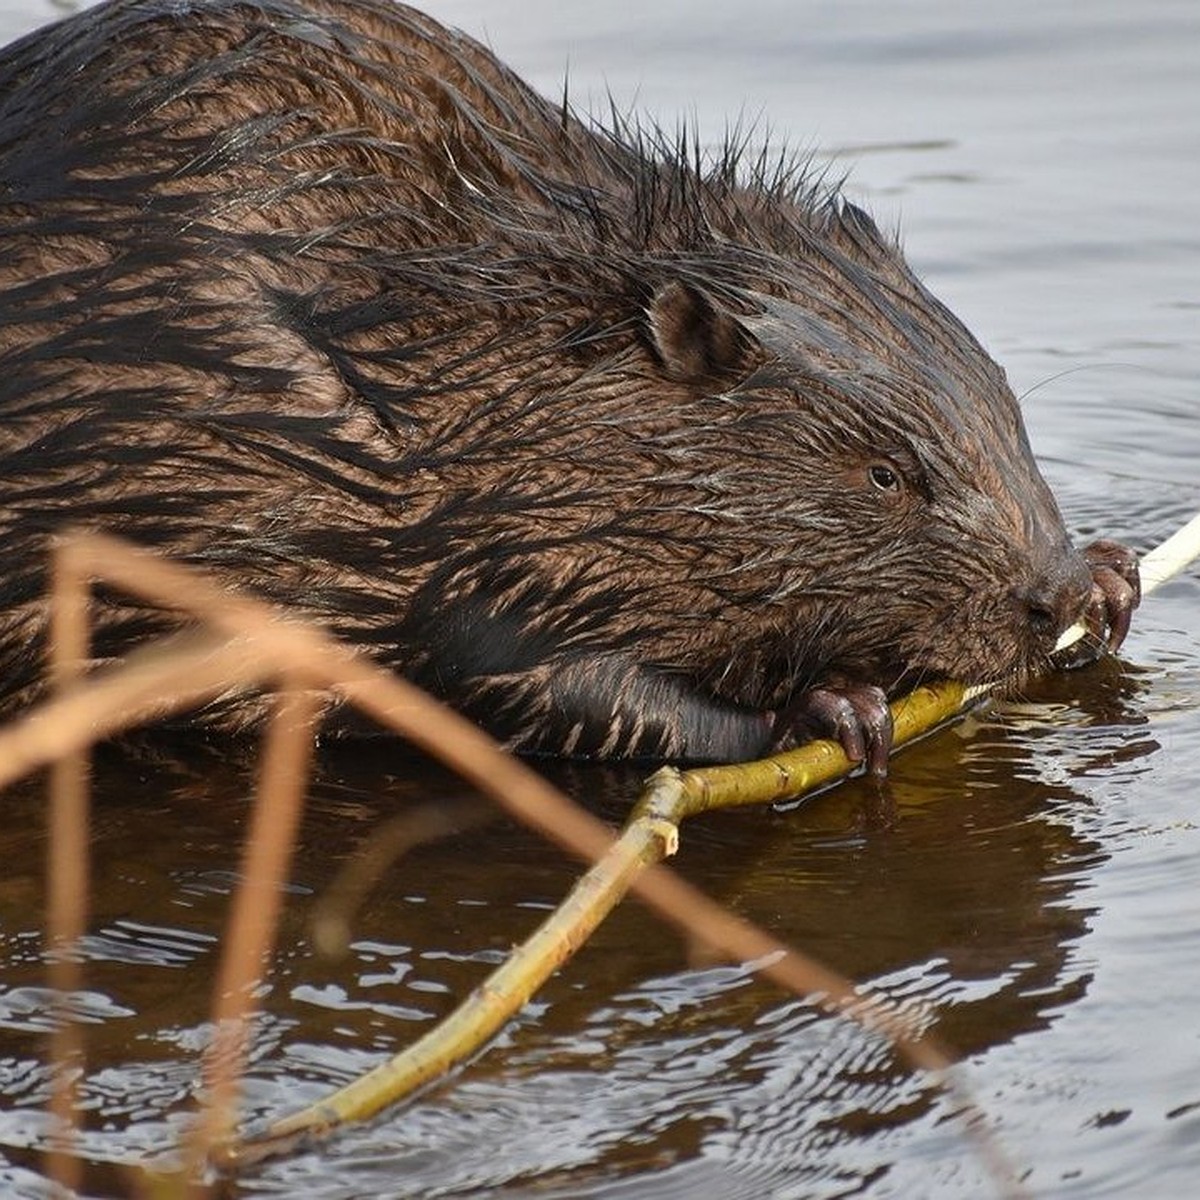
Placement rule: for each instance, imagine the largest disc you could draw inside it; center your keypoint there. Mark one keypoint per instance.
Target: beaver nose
(1056, 600)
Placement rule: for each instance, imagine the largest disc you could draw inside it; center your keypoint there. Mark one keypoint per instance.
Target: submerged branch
(652, 833)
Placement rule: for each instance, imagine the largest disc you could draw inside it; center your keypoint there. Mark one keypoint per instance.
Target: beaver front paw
(855, 715)
(1116, 591)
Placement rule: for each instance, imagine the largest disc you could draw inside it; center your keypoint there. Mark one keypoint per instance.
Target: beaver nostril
(1042, 614)
(1054, 604)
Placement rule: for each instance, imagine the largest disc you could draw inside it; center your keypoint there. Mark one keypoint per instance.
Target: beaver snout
(1056, 600)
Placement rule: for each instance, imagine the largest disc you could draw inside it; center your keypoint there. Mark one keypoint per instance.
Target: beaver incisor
(621, 453)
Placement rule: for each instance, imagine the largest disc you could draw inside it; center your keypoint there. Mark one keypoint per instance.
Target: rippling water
(1034, 899)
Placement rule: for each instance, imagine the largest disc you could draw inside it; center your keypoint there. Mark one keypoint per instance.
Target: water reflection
(966, 909)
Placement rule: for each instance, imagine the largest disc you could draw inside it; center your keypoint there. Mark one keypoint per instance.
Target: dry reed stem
(68, 882)
(254, 916)
(154, 682)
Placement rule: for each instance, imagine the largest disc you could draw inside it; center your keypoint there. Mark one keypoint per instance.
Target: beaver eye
(884, 478)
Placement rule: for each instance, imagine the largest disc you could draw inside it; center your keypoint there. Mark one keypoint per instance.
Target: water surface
(1034, 900)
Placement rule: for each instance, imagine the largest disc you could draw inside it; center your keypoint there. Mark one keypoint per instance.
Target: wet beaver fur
(620, 452)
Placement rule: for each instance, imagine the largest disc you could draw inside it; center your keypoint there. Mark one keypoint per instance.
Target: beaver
(622, 449)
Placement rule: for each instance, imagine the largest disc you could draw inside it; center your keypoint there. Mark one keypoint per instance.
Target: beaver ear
(690, 334)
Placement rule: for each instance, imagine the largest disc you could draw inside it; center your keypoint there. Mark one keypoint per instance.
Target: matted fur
(576, 428)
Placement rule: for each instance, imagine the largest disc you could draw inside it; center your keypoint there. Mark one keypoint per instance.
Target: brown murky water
(1034, 894)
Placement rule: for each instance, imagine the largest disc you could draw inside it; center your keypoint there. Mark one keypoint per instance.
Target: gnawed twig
(649, 836)
(652, 832)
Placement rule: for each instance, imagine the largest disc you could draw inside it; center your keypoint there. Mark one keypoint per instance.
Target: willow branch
(651, 833)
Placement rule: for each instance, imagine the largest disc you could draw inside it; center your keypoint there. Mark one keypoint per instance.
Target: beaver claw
(1116, 591)
(856, 716)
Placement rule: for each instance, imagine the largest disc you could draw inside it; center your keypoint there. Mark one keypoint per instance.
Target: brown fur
(581, 433)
